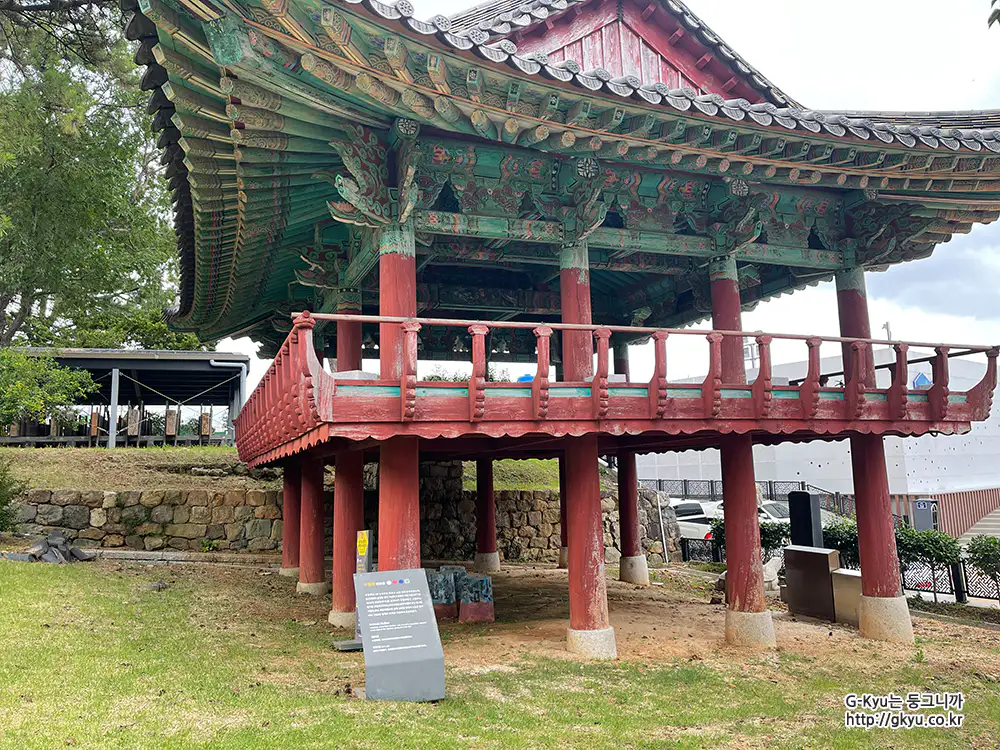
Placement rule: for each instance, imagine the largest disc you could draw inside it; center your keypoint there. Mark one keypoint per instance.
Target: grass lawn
(231, 658)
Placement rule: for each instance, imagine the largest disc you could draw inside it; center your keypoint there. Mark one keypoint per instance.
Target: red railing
(294, 403)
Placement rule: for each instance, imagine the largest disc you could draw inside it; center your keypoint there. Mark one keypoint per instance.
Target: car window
(688, 509)
(777, 510)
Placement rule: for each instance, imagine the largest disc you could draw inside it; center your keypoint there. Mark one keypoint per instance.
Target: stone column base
(594, 644)
(749, 629)
(885, 619)
(487, 562)
(564, 557)
(289, 572)
(634, 569)
(342, 620)
(313, 589)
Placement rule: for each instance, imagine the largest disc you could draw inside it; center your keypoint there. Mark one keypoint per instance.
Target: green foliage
(10, 489)
(773, 535)
(931, 547)
(37, 386)
(209, 545)
(842, 535)
(984, 553)
(86, 250)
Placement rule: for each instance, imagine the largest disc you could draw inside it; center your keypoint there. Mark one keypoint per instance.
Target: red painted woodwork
(628, 504)
(577, 346)
(397, 284)
(852, 310)
(312, 564)
(726, 317)
(630, 39)
(399, 504)
(745, 573)
(290, 497)
(876, 533)
(588, 600)
(348, 345)
(348, 520)
(298, 406)
(486, 520)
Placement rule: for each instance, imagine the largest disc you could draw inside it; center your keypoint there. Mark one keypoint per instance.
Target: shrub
(10, 489)
(842, 535)
(984, 553)
(37, 386)
(932, 548)
(773, 535)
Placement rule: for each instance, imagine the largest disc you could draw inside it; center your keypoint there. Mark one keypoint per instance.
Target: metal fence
(961, 580)
(711, 489)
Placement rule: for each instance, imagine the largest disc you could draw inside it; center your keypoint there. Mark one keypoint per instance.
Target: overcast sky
(862, 55)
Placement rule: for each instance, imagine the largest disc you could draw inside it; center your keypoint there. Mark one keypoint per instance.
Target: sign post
(404, 660)
(363, 564)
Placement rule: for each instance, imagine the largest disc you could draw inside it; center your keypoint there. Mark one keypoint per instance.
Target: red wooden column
(748, 623)
(487, 557)
(399, 457)
(290, 494)
(883, 613)
(633, 567)
(312, 562)
(563, 549)
(590, 632)
(348, 490)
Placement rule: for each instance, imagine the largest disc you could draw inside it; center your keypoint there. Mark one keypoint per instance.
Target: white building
(915, 465)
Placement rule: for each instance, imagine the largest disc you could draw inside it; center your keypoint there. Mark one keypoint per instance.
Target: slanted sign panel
(404, 660)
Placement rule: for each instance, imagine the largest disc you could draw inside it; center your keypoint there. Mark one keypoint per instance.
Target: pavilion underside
(353, 183)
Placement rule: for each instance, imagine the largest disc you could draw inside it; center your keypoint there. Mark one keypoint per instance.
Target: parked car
(694, 518)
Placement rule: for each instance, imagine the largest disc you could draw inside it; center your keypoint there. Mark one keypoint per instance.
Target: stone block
(277, 529)
(144, 529)
(178, 543)
(88, 543)
(92, 534)
(218, 498)
(198, 498)
(109, 500)
(270, 512)
(256, 498)
(551, 516)
(113, 540)
(135, 541)
(612, 556)
(234, 531)
(92, 498)
(259, 544)
(162, 514)
(545, 530)
(200, 514)
(222, 514)
(538, 542)
(182, 514)
(49, 514)
(236, 497)
(153, 543)
(152, 498)
(173, 497)
(128, 499)
(258, 527)
(66, 497)
(242, 513)
(135, 515)
(655, 559)
(39, 497)
(273, 495)
(98, 517)
(534, 518)
(24, 513)
(215, 531)
(186, 530)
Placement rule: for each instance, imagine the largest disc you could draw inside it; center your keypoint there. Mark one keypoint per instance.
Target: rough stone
(162, 514)
(109, 500)
(256, 498)
(152, 498)
(178, 543)
(173, 497)
(258, 527)
(215, 531)
(76, 517)
(259, 545)
(39, 497)
(268, 511)
(113, 540)
(235, 497)
(98, 517)
(242, 512)
(135, 542)
(186, 530)
(49, 514)
(128, 499)
(182, 514)
(198, 498)
(65, 497)
(145, 529)
(92, 498)
(222, 514)
(92, 534)
(24, 513)
(200, 514)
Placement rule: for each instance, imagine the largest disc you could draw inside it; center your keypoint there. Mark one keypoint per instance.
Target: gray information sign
(404, 660)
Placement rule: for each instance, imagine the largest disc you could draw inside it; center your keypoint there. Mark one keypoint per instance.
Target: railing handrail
(461, 323)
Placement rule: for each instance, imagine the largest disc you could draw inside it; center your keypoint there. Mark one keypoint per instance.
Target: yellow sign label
(362, 543)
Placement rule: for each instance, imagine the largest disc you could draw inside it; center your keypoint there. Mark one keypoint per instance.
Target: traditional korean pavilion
(542, 182)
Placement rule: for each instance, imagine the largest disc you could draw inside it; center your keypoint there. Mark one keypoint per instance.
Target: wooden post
(348, 520)
(312, 562)
(348, 332)
(563, 549)
(487, 557)
(748, 623)
(883, 613)
(399, 470)
(113, 410)
(633, 567)
(291, 494)
(590, 632)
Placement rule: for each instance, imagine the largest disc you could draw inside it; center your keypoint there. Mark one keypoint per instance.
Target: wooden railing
(297, 396)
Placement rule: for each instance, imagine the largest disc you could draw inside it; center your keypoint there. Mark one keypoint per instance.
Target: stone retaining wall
(198, 520)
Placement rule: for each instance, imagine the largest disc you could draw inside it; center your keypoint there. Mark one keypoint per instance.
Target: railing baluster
(540, 385)
(711, 388)
(897, 395)
(854, 388)
(408, 379)
(599, 385)
(938, 393)
(658, 383)
(979, 399)
(809, 389)
(762, 385)
(477, 382)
